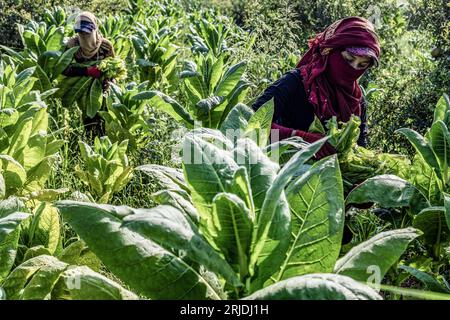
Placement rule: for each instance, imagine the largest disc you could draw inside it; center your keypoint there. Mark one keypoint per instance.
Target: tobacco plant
(28, 151)
(424, 193)
(235, 225)
(106, 167)
(212, 90)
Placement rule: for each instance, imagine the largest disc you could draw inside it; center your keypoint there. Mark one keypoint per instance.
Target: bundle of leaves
(113, 68)
(358, 163)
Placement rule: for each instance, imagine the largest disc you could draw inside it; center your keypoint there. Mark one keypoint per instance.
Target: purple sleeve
(283, 132)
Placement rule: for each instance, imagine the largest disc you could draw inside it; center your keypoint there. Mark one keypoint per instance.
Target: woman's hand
(326, 149)
(94, 72)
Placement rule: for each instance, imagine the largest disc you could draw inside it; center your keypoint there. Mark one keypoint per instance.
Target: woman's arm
(282, 91)
(287, 95)
(72, 71)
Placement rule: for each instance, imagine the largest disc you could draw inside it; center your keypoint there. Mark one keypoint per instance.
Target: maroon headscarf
(330, 82)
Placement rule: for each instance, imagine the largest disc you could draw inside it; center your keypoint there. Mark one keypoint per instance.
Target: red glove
(326, 149)
(93, 72)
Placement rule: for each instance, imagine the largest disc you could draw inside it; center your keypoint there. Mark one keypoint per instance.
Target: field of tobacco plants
(182, 194)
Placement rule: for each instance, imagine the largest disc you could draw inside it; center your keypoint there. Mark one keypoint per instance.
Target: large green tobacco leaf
(441, 108)
(76, 91)
(47, 62)
(78, 253)
(34, 252)
(33, 42)
(95, 98)
(11, 205)
(208, 171)
(316, 287)
(46, 227)
(274, 249)
(82, 283)
(317, 206)
(212, 136)
(216, 74)
(195, 88)
(17, 56)
(260, 169)
(431, 221)
(415, 293)
(236, 121)
(230, 79)
(43, 281)
(44, 81)
(260, 123)
(9, 237)
(444, 103)
(63, 62)
(234, 229)
(55, 41)
(179, 199)
(428, 280)
(281, 151)
(143, 265)
(380, 251)
(440, 143)
(38, 175)
(45, 277)
(40, 121)
(34, 151)
(169, 228)
(422, 147)
(206, 105)
(22, 93)
(425, 180)
(273, 195)
(261, 174)
(20, 138)
(22, 277)
(447, 208)
(236, 96)
(65, 85)
(386, 190)
(242, 188)
(166, 104)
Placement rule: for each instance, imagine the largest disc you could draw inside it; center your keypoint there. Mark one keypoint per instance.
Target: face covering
(340, 72)
(329, 81)
(89, 42)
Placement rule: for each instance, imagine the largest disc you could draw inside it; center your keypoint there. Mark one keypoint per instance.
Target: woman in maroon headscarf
(324, 84)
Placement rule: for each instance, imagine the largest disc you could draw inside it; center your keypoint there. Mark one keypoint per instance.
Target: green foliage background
(410, 78)
(15, 11)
